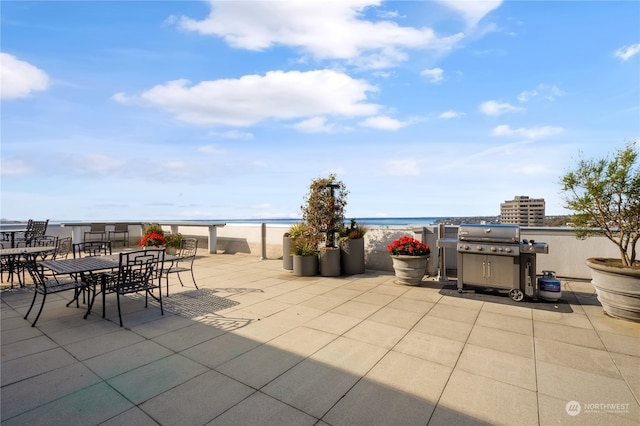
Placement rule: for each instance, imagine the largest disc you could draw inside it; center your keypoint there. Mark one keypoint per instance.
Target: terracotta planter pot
(409, 269)
(305, 266)
(617, 288)
(352, 256)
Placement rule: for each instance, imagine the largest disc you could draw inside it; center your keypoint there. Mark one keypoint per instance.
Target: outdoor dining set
(88, 268)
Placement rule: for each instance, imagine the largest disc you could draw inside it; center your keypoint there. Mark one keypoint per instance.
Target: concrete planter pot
(352, 256)
(409, 269)
(305, 266)
(287, 258)
(617, 288)
(329, 262)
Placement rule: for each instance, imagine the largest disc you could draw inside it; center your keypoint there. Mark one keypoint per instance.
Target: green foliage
(605, 196)
(305, 245)
(353, 231)
(324, 208)
(297, 230)
(153, 227)
(173, 240)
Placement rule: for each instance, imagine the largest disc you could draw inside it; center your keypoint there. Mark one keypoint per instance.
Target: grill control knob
(479, 248)
(493, 249)
(507, 249)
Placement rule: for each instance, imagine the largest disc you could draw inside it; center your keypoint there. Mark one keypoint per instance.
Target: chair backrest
(35, 229)
(92, 248)
(139, 268)
(36, 271)
(189, 247)
(98, 227)
(63, 249)
(121, 227)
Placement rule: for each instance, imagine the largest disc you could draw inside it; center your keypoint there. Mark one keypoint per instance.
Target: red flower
(152, 240)
(408, 246)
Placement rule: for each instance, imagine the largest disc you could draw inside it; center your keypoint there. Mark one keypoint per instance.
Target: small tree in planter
(352, 248)
(296, 230)
(324, 214)
(605, 196)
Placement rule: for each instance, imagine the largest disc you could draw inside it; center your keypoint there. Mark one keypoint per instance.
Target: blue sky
(226, 110)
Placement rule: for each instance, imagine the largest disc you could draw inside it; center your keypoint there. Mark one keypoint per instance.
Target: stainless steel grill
(494, 256)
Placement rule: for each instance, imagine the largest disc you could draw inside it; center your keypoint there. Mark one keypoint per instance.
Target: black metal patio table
(12, 234)
(9, 256)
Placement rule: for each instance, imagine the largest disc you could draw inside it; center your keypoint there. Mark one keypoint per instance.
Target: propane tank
(549, 286)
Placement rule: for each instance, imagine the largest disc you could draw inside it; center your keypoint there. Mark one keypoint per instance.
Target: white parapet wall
(567, 254)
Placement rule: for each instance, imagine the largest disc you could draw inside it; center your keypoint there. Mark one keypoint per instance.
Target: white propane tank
(549, 286)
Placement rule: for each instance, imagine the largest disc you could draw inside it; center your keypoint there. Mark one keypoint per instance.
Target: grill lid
(505, 234)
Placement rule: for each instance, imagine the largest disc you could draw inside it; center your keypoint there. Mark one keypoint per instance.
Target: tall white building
(523, 211)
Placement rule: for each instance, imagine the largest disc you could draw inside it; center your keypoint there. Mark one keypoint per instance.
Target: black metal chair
(136, 273)
(91, 248)
(120, 229)
(34, 230)
(48, 283)
(99, 229)
(183, 262)
(63, 248)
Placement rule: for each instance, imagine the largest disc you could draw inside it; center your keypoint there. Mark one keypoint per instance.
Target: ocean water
(374, 221)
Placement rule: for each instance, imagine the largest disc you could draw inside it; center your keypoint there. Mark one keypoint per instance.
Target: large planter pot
(305, 266)
(617, 288)
(352, 256)
(409, 269)
(287, 259)
(329, 262)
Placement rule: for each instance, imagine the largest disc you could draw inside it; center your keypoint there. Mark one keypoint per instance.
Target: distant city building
(523, 211)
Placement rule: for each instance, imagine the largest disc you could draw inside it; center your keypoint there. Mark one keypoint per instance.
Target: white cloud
(472, 11)
(434, 75)
(451, 114)
(324, 30)
(233, 134)
(498, 108)
(14, 168)
(544, 91)
(404, 167)
(315, 125)
(253, 98)
(382, 122)
(528, 133)
(209, 149)
(627, 52)
(18, 79)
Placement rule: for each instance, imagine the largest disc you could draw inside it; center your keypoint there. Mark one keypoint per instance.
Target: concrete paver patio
(258, 346)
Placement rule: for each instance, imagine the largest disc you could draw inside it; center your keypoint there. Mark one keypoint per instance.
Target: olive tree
(324, 207)
(605, 196)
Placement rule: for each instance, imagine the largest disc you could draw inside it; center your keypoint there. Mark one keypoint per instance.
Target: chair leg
(119, 312)
(44, 297)
(193, 277)
(35, 293)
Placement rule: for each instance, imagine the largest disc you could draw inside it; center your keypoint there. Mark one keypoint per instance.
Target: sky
(211, 110)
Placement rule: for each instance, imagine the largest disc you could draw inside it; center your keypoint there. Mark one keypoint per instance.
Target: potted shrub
(173, 242)
(352, 248)
(305, 255)
(296, 230)
(152, 236)
(409, 257)
(605, 196)
(323, 212)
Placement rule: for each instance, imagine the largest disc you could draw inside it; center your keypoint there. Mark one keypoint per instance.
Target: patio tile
(163, 325)
(35, 391)
(187, 337)
(261, 409)
(472, 399)
(431, 348)
(629, 367)
(556, 411)
(412, 305)
(629, 345)
(333, 323)
(322, 379)
(32, 365)
(220, 350)
(21, 333)
(570, 384)
(455, 313)
(26, 347)
(400, 389)
(155, 378)
(443, 327)
(374, 298)
(498, 365)
(98, 345)
(396, 317)
(502, 340)
(375, 333)
(506, 322)
(323, 302)
(89, 406)
(567, 334)
(128, 358)
(133, 416)
(197, 401)
(587, 359)
(569, 319)
(516, 311)
(356, 309)
(260, 365)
